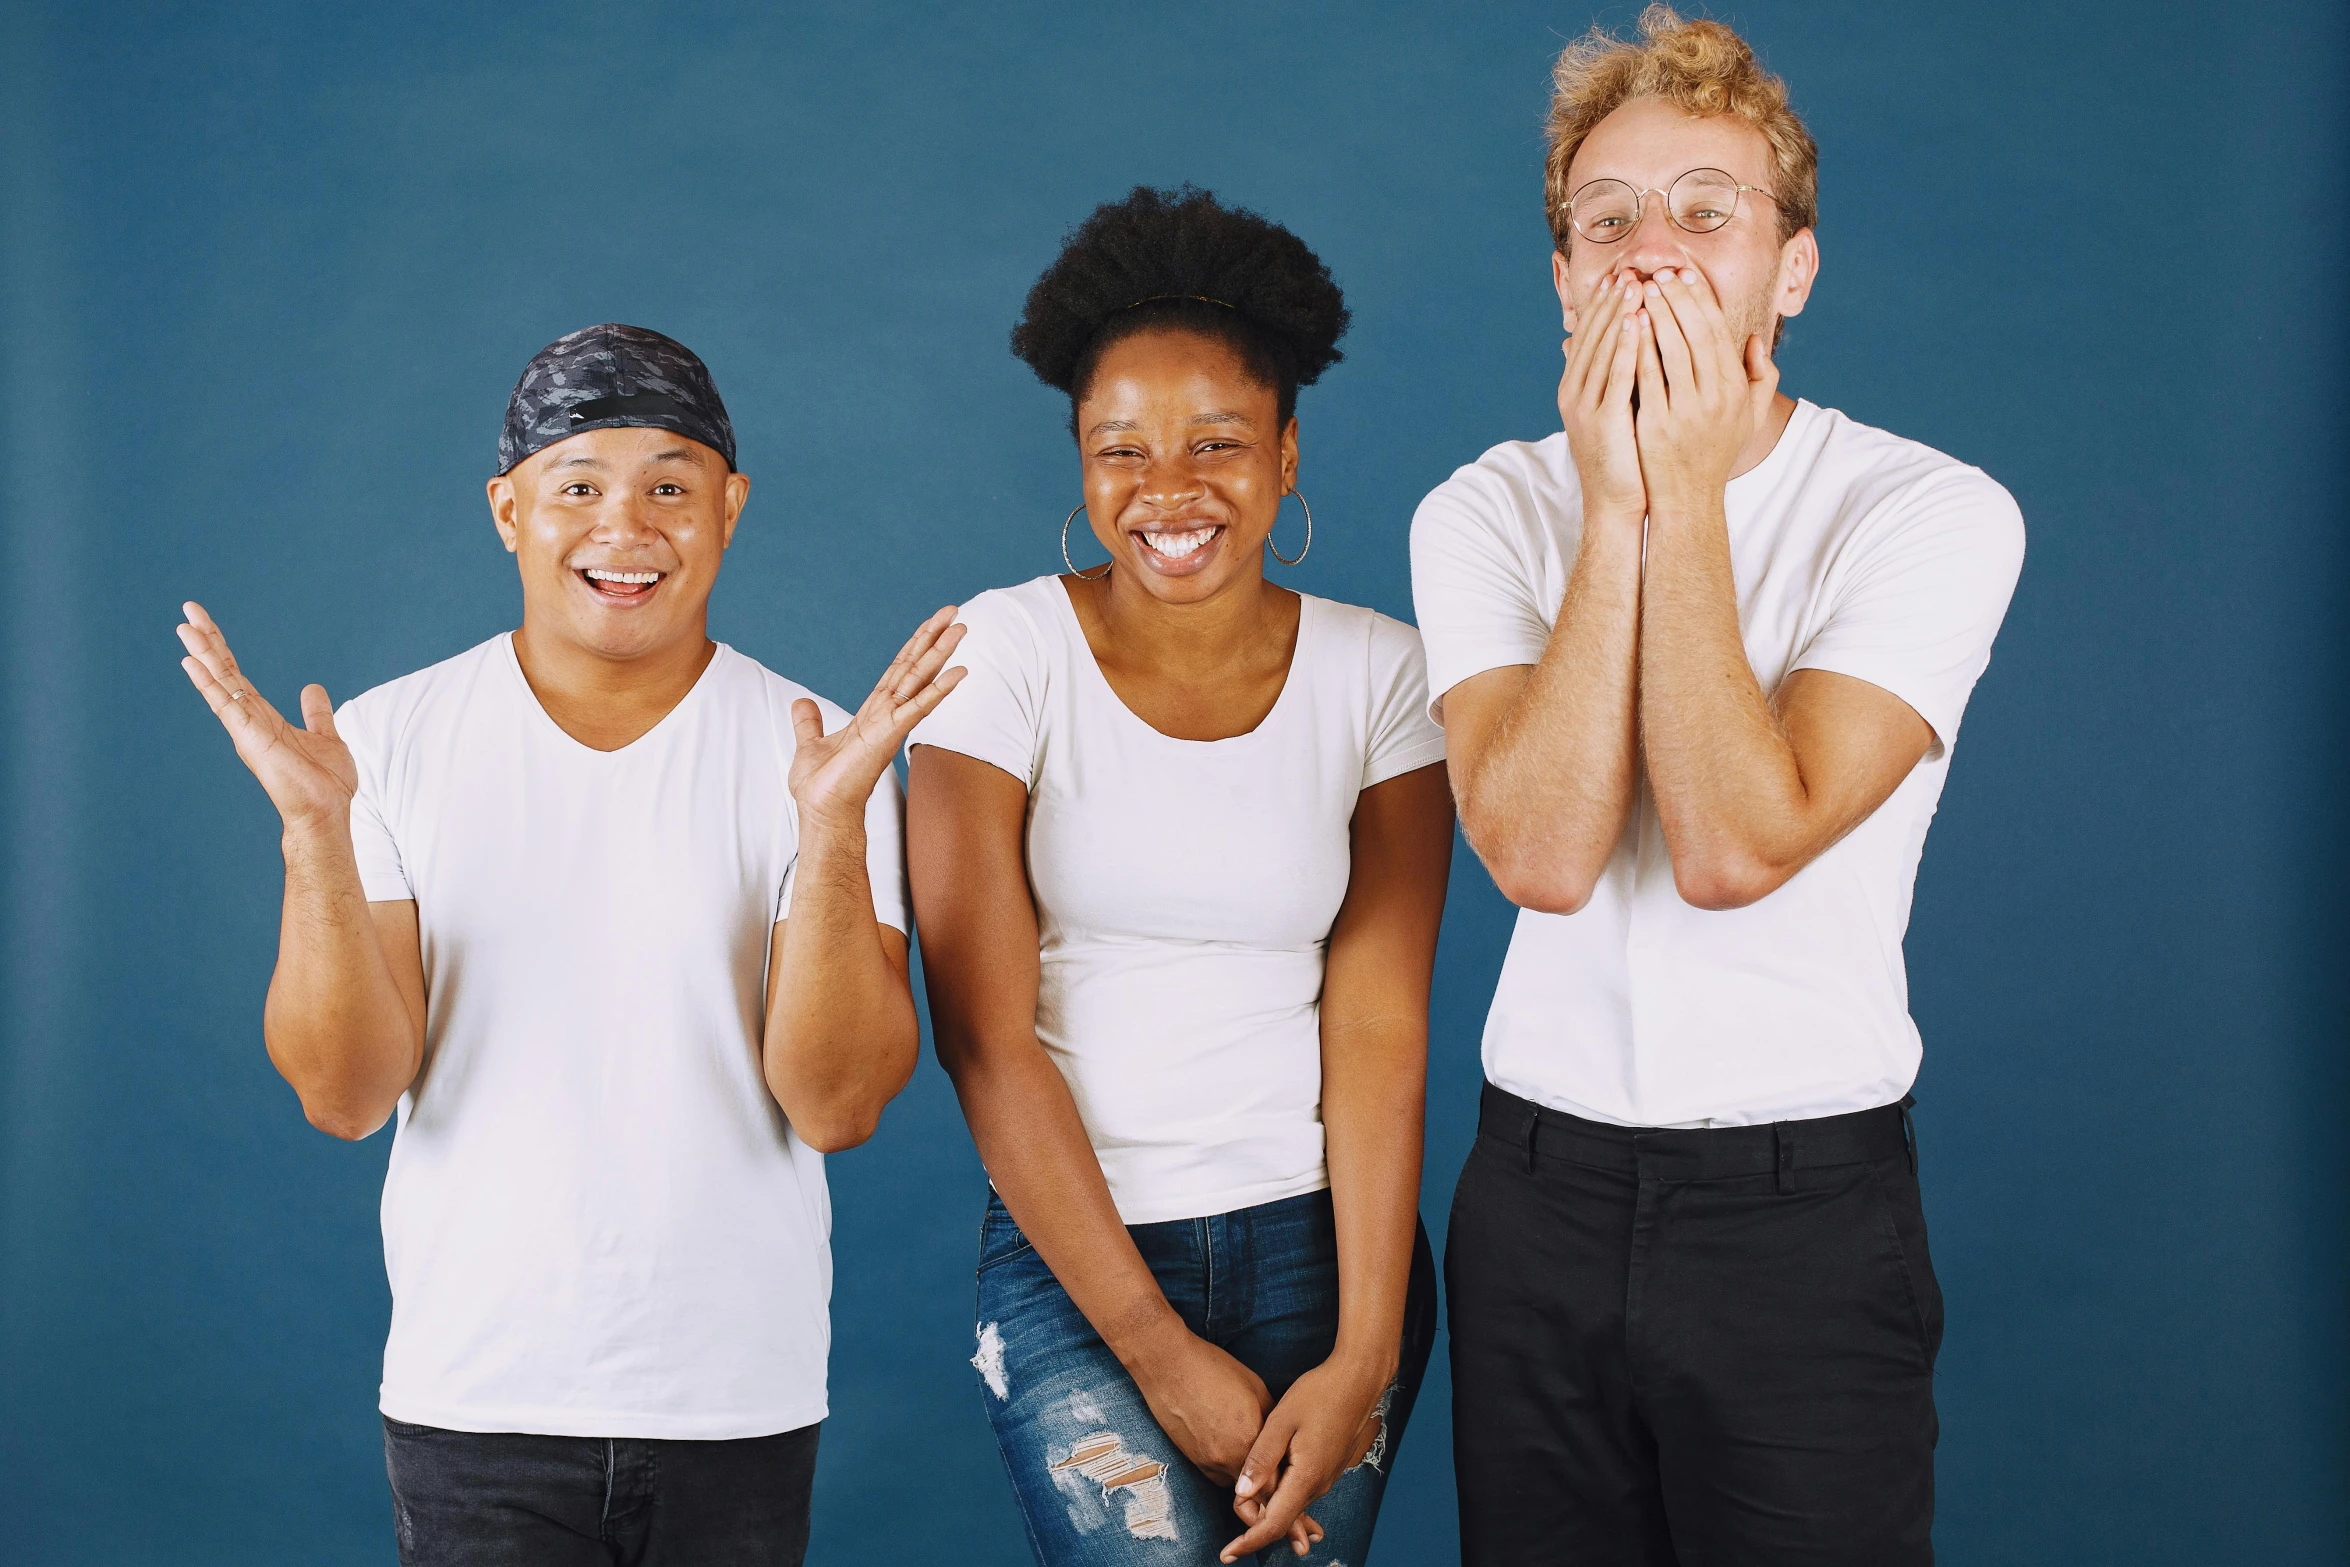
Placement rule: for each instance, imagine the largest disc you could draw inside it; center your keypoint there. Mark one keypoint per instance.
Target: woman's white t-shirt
(596, 1220)
(1185, 889)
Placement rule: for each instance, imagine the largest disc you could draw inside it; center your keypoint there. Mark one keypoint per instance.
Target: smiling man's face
(619, 534)
(1648, 144)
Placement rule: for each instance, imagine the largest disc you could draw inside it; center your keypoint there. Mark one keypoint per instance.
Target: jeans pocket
(1000, 1239)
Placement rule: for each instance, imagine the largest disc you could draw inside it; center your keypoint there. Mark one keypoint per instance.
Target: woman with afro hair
(1179, 844)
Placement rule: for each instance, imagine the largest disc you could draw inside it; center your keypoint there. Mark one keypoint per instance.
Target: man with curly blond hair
(1700, 658)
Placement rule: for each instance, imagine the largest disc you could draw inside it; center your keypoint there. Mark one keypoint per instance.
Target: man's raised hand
(1703, 393)
(307, 772)
(832, 775)
(1595, 402)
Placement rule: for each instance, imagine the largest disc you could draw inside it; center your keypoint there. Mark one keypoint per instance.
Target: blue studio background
(267, 273)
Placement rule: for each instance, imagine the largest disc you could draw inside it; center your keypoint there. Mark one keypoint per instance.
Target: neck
(1217, 633)
(1766, 434)
(605, 702)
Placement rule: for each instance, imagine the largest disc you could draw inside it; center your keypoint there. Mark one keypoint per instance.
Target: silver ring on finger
(236, 696)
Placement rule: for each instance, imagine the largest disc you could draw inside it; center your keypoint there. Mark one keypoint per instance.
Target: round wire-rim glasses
(1699, 202)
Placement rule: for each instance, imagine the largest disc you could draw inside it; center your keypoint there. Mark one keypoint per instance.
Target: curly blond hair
(1700, 67)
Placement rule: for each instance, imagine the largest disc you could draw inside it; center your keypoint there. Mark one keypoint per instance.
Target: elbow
(837, 1132)
(1543, 889)
(1718, 885)
(343, 1122)
(1547, 884)
(838, 1117)
(833, 1110)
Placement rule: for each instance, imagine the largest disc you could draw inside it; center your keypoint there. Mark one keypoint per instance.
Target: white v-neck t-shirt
(597, 1222)
(1852, 550)
(1185, 889)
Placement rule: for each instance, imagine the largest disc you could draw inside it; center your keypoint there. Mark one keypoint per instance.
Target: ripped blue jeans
(1096, 1479)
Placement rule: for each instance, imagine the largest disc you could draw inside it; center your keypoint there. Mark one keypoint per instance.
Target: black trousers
(474, 1499)
(1692, 1348)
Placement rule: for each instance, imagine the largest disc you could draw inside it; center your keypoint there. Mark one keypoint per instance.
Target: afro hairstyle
(1182, 259)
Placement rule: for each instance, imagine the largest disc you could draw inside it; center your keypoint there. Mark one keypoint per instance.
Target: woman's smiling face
(1186, 461)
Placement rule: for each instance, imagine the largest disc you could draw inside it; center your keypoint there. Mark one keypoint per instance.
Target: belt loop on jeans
(1533, 1130)
(1909, 1131)
(1783, 1154)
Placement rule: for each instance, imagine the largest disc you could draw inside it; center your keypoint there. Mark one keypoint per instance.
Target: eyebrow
(584, 460)
(1109, 425)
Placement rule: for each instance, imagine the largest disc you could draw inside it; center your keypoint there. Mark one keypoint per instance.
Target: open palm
(832, 775)
(307, 771)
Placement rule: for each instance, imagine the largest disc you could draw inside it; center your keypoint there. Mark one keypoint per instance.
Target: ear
(1289, 455)
(738, 490)
(502, 509)
(1558, 280)
(1799, 268)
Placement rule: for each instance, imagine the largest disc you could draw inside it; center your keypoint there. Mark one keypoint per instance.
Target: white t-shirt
(1853, 551)
(597, 1222)
(1185, 889)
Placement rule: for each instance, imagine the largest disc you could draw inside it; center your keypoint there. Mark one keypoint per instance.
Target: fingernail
(1246, 1487)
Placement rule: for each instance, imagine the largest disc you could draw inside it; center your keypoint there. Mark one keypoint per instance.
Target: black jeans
(473, 1499)
(1692, 1348)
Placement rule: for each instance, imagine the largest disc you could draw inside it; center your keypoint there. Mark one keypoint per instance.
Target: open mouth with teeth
(1177, 550)
(621, 587)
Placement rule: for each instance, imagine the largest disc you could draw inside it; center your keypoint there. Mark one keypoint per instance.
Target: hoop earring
(1309, 543)
(1072, 565)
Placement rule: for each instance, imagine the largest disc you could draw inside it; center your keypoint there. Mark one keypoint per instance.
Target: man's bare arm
(344, 1021)
(841, 1037)
(1748, 790)
(1543, 756)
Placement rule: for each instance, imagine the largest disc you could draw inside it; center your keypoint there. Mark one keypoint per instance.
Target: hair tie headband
(1202, 298)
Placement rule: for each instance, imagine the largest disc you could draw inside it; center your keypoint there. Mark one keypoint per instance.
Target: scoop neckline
(1093, 666)
(719, 651)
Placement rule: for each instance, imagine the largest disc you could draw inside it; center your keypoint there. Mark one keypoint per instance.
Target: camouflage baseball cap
(610, 376)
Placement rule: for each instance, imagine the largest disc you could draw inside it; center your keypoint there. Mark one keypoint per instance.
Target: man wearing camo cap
(535, 905)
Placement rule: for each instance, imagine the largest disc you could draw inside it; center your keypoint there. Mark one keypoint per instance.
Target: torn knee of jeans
(1098, 1465)
(1376, 1454)
(989, 1361)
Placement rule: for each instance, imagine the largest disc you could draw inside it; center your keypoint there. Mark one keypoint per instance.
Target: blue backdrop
(270, 270)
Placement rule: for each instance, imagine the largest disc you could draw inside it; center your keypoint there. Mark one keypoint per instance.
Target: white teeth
(630, 578)
(1175, 546)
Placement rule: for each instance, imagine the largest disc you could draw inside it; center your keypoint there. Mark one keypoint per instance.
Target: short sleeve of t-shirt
(382, 876)
(1925, 594)
(1402, 736)
(885, 841)
(1473, 585)
(995, 713)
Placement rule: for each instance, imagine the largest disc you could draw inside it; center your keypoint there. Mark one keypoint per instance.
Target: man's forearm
(1729, 795)
(841, 1034)
(1545, 799)
(335, 1022)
